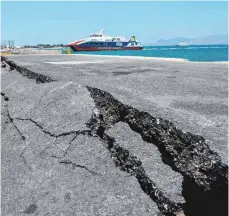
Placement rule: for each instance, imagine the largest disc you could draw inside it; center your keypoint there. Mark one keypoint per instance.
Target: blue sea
(206, 53)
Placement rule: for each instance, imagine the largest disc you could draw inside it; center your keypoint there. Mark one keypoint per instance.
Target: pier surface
(52, 162)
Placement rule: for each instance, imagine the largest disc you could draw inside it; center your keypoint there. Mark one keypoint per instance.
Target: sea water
(206, 53)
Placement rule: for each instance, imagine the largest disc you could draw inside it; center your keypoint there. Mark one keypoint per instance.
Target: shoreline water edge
(194, 53)
(213, 53)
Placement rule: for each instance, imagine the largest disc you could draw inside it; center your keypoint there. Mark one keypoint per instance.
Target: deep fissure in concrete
(40, 78)
(131, 164)
(205, 184)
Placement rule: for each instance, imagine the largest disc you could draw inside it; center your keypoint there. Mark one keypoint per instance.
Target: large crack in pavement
(76, 133)
(30, 161)
(40, 78)
(62, 161)
(11, 120)
(131, 164)
(205, 184)
(205, 176)
(121, 157)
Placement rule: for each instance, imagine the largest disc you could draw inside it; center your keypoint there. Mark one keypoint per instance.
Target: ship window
(132, 44)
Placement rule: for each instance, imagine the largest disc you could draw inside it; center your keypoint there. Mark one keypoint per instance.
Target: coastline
(114, 108)
(134, 57)
(169, 57)
(43, 52)
(122, 57)
(151, 58)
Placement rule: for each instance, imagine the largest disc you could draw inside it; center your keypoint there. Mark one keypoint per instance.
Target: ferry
(99, 41)
(182, 44)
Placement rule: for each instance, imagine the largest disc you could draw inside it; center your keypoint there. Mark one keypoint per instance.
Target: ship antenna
(102, 31)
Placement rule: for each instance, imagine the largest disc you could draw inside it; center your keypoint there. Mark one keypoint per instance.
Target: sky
(62, 22)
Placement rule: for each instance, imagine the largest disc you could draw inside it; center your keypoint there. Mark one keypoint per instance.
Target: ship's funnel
(132, 38)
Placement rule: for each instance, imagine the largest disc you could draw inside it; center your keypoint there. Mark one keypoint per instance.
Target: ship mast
(97, 34)
(101, 32)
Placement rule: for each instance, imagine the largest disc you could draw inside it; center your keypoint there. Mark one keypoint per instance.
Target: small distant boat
(98, 41)
(182, 44)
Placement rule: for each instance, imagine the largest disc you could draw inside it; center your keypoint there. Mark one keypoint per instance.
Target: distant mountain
(172, 41)
(211, 39)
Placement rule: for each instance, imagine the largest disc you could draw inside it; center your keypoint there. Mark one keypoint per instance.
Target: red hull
(80, 48)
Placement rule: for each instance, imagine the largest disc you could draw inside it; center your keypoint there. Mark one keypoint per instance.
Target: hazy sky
(62, 22)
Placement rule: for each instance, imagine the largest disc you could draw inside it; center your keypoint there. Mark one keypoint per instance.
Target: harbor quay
(84, 132)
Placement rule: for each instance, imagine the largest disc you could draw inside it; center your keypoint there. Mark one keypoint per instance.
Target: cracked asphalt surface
(52, 163)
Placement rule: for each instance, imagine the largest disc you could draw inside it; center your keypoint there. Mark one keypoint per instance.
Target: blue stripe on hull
(103, 44)
(81, 48)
